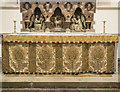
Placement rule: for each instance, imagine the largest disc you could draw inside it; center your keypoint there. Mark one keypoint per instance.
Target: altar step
(60, 85)
(62, 90)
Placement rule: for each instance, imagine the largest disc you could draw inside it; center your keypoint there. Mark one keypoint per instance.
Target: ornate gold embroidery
(45, 58)
(18, 57)
(97, 58)
(72, 57)
(58, 57)
(61, 38)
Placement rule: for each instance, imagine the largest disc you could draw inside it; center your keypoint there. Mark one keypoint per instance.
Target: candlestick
(14, 26)
(104, 26)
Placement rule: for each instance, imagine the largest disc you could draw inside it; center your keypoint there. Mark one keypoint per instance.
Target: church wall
(111, 18)
(0, 31)
(8, 16)
(119, 48)
(119, 31)
(6, 25)
(107, 11)
(110, 13)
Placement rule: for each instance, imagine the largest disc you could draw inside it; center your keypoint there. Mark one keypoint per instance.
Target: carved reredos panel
(58, 16)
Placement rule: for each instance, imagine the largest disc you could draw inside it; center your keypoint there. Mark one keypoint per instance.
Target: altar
(59, 46)
(63, 54)
(66, 46)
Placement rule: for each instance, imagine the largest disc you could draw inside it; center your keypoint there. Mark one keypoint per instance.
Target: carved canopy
(57, 16)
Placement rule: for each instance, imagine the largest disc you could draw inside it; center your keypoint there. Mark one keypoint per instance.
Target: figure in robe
(37, 23)
(79, 23)
(83, 21)
(42, 22)
(73, 22)
(57, 19)
(32, 19)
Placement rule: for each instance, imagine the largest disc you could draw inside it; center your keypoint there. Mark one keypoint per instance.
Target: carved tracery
(58, 16)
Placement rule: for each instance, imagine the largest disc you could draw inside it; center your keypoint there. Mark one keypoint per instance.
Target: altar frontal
(71, 55)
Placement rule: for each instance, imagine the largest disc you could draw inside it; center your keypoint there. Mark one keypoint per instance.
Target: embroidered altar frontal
(27, 54)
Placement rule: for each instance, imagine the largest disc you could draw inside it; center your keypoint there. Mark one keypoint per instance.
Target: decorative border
(61, 39)
(59, 42)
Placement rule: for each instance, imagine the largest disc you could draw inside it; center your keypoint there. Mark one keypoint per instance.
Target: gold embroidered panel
(45, 58)
(72, 58)
(97, 59)
(18, 57)
(57, 58)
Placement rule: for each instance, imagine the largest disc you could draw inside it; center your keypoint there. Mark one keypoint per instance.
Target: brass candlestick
(14, 26)
(104, 26)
